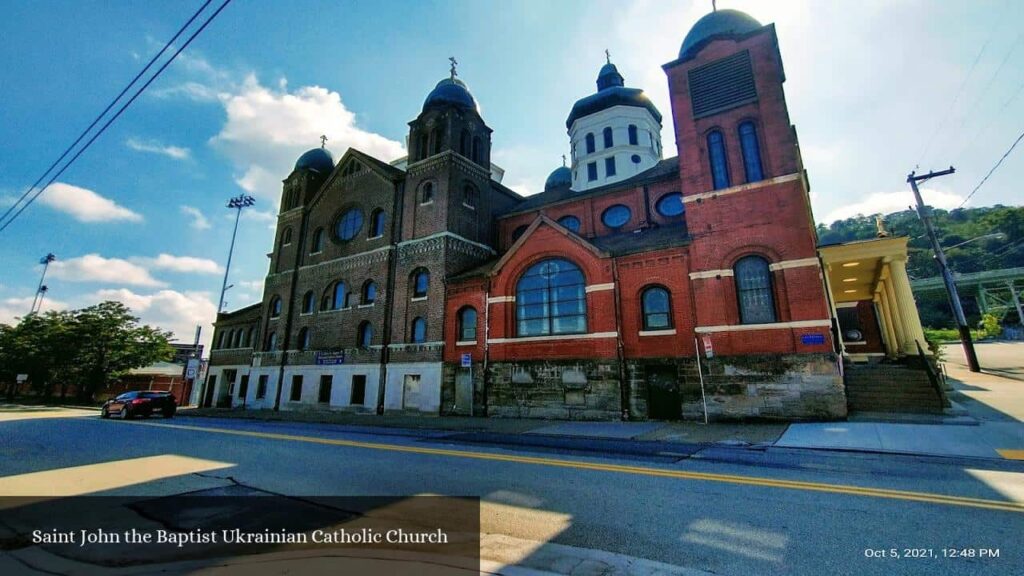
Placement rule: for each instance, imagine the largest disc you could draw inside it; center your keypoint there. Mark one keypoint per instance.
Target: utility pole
(237, 203)
(924, 213)
(38, 299)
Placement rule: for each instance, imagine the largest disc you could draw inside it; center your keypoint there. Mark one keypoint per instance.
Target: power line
(105, 110)
(116, 115)
(985, 179)
(991, 121)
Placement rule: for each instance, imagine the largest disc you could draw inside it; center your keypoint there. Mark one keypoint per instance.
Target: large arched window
(551, 299)
(656, 306)
(318, 241)
(340, 296)
(467, 324)
(350, 223)
(420, 283)
(754, 290)
(275, 307)
(716, 156)
(427, 193)
(304, 339)
(377, 219)
(591, 146)
(419, 331)
(308, 303)
(369, 295)
(751, 152)
(608, 140)
(365, 335)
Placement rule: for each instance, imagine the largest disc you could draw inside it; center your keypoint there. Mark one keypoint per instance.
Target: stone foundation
(563, 390)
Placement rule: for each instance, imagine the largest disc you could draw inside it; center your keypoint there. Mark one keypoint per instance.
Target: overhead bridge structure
(998, 292)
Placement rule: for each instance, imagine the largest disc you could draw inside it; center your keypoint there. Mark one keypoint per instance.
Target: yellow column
(908, 306)
(891, 347)
(894, 315)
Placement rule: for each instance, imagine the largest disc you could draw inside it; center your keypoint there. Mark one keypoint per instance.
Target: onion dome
(718, 24)
(611, 91)
(450, 92)
(318, 159)
(561, 177)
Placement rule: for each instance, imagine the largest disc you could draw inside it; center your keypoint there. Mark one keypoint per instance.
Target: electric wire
(107, 109)
(116, 115)
(994, 168)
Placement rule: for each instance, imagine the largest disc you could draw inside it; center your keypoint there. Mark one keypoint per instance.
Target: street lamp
(994, 236)
(237, 203)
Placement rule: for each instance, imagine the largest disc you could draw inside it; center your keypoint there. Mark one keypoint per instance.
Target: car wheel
(104, 413)
(125, 414)
(168, 413)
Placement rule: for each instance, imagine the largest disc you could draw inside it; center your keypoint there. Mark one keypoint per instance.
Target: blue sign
(813, 338)
(467, 360)
(330, 358)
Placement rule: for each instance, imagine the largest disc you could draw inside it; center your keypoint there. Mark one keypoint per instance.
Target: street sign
(192, 369)
(709, 351)
(467, 360)
(21, 378)
(812, 338)
(330, 358)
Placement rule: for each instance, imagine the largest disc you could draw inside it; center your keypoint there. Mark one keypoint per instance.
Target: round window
(635, 158)
(350, 223)
(670, 205)
(616, 216)
(570, 222)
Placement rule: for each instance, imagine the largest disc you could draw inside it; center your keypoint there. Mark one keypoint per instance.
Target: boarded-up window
(722, 85)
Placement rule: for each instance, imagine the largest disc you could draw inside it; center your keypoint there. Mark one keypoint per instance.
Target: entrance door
(411, 392)
(464, 390)
(663, 401)
(211, 384)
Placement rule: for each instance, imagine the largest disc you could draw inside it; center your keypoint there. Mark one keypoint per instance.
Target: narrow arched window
(275, 307)
(369, 292)
(467, 324)
(340, 296)
(318, 241)
(252, 338)
(236, 340)
(422, 146)
(469, 195)
(365, 335)
(286, 237)
(478, 150)
(754, 290)
(420, 283)
(435, 141)
(377, 223)
(608, 141)
(272, 342)
(419, 331)
(716, 156)
(591, 146)
(304, 339)
(243, 341)
(751, 152)
(656, 306)
(634, 137)
(551, 299)
(464, 143)
(308, 302)
(427, 193)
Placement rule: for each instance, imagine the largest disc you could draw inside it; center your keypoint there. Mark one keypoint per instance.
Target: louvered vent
(721, 85)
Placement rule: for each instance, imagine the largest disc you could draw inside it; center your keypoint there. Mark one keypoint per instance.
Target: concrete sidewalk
(992, 427)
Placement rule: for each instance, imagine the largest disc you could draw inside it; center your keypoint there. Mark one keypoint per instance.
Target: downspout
(619, 346)
(487, 346)
(385, 354)
(299, 260)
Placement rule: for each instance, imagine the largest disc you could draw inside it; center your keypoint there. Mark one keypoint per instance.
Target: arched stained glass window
(377, 223)
(419, 331)
(420, 283)
(751, 152)
(369, 292)
(551, 299)
(467, 324)
(350, 223)
(754, 290)
(272, 342)
(308, 303)
(365, 335)
(657, 308)
(719, 164)
(318, 241)
(304, 339)
(340, 299)
(275, 307)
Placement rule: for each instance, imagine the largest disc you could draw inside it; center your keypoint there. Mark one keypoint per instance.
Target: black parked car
(141, 403)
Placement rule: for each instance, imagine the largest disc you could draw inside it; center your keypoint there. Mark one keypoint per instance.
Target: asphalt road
(722, 510)
(1001, 358)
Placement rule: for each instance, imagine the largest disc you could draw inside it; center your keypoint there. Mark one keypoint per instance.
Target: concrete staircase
(890, 388)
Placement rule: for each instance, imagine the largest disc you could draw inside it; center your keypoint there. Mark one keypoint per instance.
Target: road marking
(1011, 454)
(620, 468)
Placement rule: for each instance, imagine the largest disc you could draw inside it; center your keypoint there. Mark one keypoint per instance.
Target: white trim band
(772, 326)
(793, 264)
(590, 336)
(599, 287)
(500, 299)
(743, 187)
(710, 274)
(668, 332)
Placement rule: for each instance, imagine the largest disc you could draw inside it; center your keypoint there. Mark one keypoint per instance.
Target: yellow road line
(624, 469)
(1011, 454)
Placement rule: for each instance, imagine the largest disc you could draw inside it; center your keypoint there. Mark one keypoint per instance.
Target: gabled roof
(643, 240)
(380, 166)
(664, 169)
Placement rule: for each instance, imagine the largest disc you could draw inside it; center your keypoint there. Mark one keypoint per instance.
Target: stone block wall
(564, 390)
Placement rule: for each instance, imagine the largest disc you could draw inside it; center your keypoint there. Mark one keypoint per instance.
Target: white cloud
(154, 147)
(268, 128)
(12, 309)
(96, 268)
(181, 264)
(199, 220)
(179, 312)
(85, 205)
(886, 202)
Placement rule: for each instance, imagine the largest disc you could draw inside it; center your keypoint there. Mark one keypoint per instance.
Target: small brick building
(634, 286)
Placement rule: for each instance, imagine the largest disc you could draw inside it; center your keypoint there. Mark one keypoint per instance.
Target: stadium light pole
(45, 261)
(237, 203)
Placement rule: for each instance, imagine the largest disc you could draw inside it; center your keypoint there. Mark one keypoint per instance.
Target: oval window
(670, 205)
(570, 222)
(616, 216)
(350, 223)
(635, 158)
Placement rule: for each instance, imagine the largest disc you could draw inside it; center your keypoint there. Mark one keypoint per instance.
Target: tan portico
(871, 298)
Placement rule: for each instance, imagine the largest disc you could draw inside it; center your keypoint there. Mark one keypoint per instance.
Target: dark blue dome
(562, 176)
(318, 159)
(609, 76)
(716, 24)
(611, 91)
(450, 92)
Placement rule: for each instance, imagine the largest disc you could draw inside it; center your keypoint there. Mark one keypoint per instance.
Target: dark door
(211, 383)
(663, 401)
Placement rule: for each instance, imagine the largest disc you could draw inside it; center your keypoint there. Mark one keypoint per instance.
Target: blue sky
(874, 88)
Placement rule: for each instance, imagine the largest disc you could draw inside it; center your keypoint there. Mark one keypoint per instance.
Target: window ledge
(377, 237)
(370, 305)
(469, 206)
(466, 343)
(317, 252)
(666, 332)
(419, 299)
(426, 203)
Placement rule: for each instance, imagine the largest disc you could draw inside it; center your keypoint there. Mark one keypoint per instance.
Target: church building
(636, 285)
